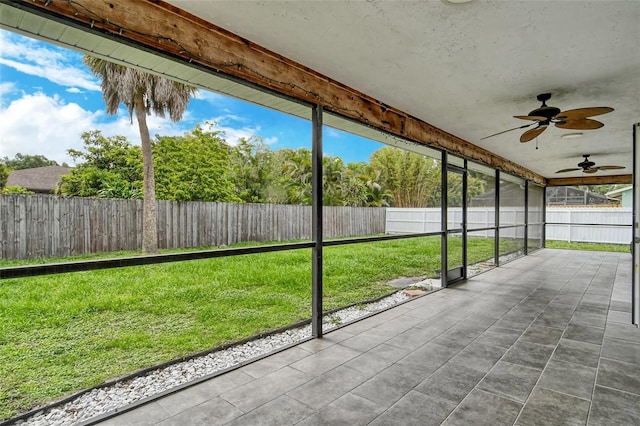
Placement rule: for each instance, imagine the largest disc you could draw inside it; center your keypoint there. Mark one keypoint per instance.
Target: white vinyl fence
(595, 225)
(575, 225)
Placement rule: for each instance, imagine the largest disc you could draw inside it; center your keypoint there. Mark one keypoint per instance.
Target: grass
(623, 248)
(63, 333)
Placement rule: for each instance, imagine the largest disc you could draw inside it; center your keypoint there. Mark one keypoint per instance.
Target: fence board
(41, 225)
(573, 221)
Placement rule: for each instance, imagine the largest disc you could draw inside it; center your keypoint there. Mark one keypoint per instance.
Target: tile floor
(543, 340)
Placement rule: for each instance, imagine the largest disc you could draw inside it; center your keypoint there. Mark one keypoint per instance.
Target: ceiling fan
(589, 166)
(542, 117)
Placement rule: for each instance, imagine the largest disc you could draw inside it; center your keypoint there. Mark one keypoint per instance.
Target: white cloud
(74, 90)
(233, 129)
(38, 124)
(6, 87)
(57, 65)
(333, 133)
(271, 140)
(211, 97)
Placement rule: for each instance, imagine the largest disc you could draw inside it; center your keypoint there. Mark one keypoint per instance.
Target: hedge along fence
(34, 226)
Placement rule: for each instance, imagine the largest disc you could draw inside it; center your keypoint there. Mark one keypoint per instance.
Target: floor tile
(377, 359)
(482, 408)
(364, 341)
(283, 410)
(567, 299)
(548, 408)
(259, 391)
(457, 337)
(612, 407)
(577, 352)
(415, 337)
(146, 415)
(588, 318)
(529, 354)
(623, 332)
(215, 411)
(183, 400)
(512, 381)
(451, 382)
(619, 317)
(328, 387)
(389, 386)
(555, 316)
(412, 366)
(621, 350)
(619, 375)
(325, 360)
(275, 362)
(593, 309)
(584, 333)
(573, 379)
(349, 410)
(416, 409)
(500, 337)
(479, 356)
(427, 359)
(204, 391)
(617, 305)
(542, 335)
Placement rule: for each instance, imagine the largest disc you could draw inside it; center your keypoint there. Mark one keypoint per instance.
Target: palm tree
(142, 93)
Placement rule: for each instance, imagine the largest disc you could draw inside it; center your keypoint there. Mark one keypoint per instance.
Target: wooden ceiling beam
(590, 180)
(159, 26)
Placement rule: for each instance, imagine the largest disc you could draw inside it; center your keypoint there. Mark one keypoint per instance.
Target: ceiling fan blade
(568, 170)
(577, 114)
(532, 133)
(592, 170)
(530, 117)
(505, 131)
(580, 124)
(609, 167)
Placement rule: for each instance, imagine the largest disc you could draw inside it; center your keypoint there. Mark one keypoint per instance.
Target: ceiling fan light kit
(572, 135)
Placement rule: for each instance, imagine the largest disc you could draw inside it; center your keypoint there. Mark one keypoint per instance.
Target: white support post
(635, 286)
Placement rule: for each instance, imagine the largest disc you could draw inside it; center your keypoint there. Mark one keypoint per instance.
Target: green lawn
(63, 333)
(588, 246)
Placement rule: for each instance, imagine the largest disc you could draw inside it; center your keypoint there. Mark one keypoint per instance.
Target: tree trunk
(149, 209)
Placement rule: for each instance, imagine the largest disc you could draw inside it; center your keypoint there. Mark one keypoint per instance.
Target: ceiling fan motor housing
(586, 164)
(544, 110)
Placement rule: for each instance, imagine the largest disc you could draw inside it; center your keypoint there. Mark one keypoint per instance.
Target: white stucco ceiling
(468, 68)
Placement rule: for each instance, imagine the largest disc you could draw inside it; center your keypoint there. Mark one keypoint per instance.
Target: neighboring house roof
(618, 192)
(39, 179)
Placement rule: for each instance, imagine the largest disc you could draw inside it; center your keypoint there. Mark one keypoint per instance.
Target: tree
(142, 93)
(295, 174)
(108, 167)
(255, 173)
(194, 167)
(24, 161)
(4, 175)
(411, 178)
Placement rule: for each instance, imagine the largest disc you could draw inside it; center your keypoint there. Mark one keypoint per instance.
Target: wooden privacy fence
(33, 226)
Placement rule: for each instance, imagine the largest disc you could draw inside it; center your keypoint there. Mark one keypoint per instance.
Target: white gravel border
(121, 394)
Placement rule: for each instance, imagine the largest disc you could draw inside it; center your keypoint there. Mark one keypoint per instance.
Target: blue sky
(48, 98)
